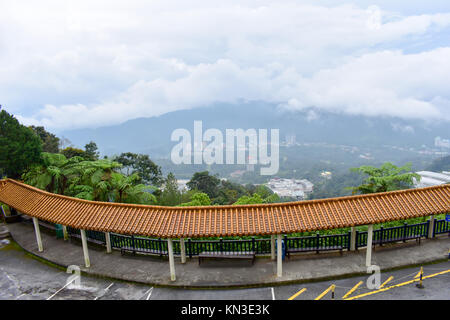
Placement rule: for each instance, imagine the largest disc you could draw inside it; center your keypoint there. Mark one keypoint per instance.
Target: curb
(4, 232)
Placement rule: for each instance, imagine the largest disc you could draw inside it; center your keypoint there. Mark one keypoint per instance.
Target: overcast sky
(77, 64)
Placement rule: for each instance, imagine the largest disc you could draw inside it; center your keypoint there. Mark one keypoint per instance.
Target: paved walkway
(215, 274)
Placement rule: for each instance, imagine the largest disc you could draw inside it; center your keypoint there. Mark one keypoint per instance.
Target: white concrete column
(279, 256)
(369, 246)
(353, 239)
(65, 234)
(431, 227)
(171, 260)
(87, 262)
(272, 246)
(183, 251)
(38, 234)
(108, 242)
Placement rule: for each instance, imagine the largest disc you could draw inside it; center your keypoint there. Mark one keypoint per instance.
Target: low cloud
(88, 64)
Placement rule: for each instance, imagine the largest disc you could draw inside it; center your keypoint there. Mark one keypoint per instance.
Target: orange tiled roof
(263, 219)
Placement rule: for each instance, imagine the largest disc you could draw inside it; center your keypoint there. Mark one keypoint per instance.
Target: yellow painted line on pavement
(388, 280)
(397, 285)
(417, 275)
(352, 289)
(297, 294)
(325, 292)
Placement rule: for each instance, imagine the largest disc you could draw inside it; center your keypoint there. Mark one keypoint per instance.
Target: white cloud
(381, 83)
(81, 64)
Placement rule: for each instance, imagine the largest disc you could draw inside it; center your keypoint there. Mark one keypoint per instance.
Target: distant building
(429, 178)
(326, 174)
(366, 156)
(182, 184)
(290, 139)
(237, 173)
(291, 188)
(441, 143)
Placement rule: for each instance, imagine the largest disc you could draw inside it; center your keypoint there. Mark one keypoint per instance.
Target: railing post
(317, 242)
(38, 234)
(132, 244)
(160, 247)
(356, 239)
(405, 225)
(254, 245)
(220, 244)
(349, 241)
(381, 236)
(190, 248)
(272, 247)
(285, 244)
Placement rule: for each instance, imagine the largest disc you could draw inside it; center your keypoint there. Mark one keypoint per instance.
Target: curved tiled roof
(208, 221)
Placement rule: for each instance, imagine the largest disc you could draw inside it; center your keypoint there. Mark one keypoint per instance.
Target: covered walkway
(218, 221)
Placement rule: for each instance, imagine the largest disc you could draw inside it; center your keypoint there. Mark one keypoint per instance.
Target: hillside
(152, 135)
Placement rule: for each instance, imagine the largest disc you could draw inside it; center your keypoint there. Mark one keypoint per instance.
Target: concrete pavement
(24, 278)
(227, 274)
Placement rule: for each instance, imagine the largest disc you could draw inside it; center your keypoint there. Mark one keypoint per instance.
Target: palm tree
(386, 178)
(127, 190)
(91, 180)
(94, 177)
(53, 174)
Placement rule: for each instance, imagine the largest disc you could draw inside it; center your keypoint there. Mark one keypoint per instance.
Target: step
(4, 231)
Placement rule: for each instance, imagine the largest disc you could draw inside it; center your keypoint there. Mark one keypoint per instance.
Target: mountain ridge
(152, 135)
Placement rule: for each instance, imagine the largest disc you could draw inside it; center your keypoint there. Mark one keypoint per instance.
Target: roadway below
(23, 277)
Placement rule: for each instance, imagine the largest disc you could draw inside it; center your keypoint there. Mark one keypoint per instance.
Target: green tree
(170, 195)
(254, 199)
(91, 180)
(53, 174)
(263, 191)
(386, 178)
(198, 199)
(20, 148)
(273, 198)
(204, 182)
(126, 189)
(229, 192)
(97, 176)
(50, 142)
(71, 152)
(91, 151)
(127, 160)
(337, 186)
(148, 171)
(141, 164)
(257, 198)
